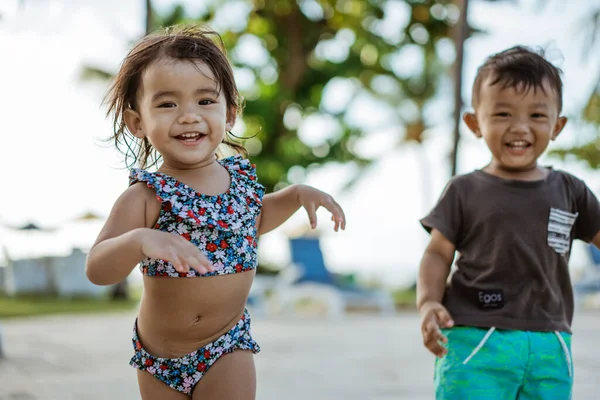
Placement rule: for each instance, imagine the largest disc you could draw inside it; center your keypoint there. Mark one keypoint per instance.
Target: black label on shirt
(490, 299)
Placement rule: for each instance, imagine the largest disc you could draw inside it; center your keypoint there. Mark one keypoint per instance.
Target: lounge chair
(308, 277)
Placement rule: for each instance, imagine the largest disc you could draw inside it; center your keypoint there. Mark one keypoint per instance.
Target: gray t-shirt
(514, 240)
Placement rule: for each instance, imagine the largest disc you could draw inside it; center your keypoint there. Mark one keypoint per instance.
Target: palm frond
(591, 112)
(89, 73)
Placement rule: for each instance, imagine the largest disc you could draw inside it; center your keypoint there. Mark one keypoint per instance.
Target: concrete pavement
(361, 357)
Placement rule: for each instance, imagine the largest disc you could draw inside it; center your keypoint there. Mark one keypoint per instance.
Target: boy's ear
(471, 121)
(231, 117)
(558, 127)
(134, 123)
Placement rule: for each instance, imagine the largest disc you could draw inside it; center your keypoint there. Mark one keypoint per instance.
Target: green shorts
(504, 365)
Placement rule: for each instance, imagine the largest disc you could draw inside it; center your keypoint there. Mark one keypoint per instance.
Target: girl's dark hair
(191, 43)
(520, 68)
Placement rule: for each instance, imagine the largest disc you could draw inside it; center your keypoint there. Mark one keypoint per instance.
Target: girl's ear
(134, 123)
(231, 117)
(471, 121)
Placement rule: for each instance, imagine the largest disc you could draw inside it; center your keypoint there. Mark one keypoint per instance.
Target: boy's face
(516, 125)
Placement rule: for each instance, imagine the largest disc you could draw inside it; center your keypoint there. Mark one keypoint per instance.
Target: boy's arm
(433, 273)
(434, 269)
(596, 240)
(277, 207)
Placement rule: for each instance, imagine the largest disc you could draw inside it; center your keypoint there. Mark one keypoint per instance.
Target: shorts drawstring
(566, 351)
(480, 345)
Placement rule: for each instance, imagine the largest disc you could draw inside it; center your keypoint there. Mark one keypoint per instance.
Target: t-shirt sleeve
(446, 216)
(587, 224)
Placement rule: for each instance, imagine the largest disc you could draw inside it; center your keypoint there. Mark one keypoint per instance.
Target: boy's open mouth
(518, 144)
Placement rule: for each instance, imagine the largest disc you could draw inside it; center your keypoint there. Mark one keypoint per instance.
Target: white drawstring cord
(566, 351)
(480, 345)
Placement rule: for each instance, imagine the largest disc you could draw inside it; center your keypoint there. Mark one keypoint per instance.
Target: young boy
(501, 328)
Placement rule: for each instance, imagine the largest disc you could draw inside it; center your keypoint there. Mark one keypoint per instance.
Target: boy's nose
(520, 127)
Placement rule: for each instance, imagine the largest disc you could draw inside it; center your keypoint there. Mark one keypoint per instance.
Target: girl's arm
(126, 239)
(279, 206)
(118, 248)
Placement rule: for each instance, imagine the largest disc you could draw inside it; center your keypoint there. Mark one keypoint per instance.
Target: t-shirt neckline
(515, 182)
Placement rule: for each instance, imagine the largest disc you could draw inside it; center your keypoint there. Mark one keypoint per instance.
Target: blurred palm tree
(460, 34)
(589, 152)
(305, 48)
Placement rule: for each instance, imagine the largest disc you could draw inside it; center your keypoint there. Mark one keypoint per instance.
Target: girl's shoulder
(163, 186)
(239, 165)
(243, 171)
(141, 175)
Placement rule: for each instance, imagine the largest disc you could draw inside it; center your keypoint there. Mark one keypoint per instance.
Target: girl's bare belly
(180, 315)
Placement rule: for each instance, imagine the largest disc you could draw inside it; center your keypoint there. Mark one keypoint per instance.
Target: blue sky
(56, 168)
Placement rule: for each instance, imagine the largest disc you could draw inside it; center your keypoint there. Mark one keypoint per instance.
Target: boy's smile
(517, 125)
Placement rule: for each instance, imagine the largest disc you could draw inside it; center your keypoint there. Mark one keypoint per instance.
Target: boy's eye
(166, 105)
(538, 115)
(501, 114)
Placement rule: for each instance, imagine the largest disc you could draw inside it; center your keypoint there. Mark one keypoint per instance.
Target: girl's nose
(188, 117)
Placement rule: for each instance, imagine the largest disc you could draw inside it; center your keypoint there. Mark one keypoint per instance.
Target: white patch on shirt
(560, 224)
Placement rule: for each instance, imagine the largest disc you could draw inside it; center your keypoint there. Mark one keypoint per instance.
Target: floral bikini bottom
(182, 374)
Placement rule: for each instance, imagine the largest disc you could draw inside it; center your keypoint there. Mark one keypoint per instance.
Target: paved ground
(362, 357)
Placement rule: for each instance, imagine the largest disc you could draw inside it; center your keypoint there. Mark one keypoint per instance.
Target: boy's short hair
(521, 68)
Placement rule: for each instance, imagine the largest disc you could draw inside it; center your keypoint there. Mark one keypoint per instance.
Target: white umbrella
(80, 232)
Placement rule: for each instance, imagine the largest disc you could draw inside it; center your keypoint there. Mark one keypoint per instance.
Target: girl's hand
(434, 317)
(311, 199)
(175, 249)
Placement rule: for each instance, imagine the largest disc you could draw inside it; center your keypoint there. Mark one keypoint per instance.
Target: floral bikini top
(222, 226)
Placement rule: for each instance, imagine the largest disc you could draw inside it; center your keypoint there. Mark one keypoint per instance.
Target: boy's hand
(175, 249)
(311, 199)
(434, 317)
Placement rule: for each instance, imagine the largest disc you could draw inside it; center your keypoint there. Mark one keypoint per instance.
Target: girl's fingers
(311, 210)
(194, 262)
(337, 215)
(336, 225)
(205, 262)
(174, 260)
(180, 264)
(343, 219)
(195, 258)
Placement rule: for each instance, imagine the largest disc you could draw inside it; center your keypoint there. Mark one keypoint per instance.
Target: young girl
(193, 225)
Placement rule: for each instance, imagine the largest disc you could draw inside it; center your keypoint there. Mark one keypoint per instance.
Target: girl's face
(182, 112)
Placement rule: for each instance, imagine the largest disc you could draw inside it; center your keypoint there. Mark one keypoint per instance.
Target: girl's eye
(166, 105)
(205, 102)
